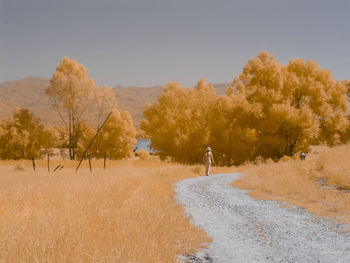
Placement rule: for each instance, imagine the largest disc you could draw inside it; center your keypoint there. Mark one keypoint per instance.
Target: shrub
(143, 154)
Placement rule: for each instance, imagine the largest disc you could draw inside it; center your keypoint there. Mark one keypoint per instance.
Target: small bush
(19, 167)
(259, 160)
(286, 158)
(269, 161)
(143, 154)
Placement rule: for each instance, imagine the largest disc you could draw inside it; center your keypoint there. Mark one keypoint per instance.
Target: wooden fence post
(48, 162)
(104, 161)
(90, 162)
(33, 164)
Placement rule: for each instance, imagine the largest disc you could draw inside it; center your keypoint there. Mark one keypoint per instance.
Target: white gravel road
(246, 230)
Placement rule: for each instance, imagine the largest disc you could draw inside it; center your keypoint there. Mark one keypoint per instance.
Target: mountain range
(30, 93)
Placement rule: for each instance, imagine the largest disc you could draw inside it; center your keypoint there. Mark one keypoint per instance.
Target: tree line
(270, 110)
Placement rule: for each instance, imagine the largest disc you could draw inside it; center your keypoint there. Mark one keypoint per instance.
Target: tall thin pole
(104, 161)
(33, 164)
(89, 156)
(87, 148)
(48, 162)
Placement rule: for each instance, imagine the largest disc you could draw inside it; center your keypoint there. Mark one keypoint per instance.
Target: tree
(118, 137)
(310, 86)
(85, 134)
(301, 103)
(345, 137)
(232, 132)
(70, 93)
(105, 101)
(346, 83)
(178, 122)
(23, 136)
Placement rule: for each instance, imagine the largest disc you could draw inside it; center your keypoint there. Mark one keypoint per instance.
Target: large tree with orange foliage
(70, 93)
(233, 136)
(23, 136)
(116, 139)
(178, 122)
(301, 103)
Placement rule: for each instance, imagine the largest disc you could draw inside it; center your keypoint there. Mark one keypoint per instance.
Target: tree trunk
(71, 138)
(74, 136)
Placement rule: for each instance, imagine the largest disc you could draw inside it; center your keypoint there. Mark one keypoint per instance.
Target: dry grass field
(127, 213)
(320, 184)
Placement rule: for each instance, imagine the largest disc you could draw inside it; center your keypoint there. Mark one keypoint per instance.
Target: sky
(152, 42)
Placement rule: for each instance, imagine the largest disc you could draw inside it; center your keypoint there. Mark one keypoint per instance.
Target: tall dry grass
(124, 214)
(316, 184)
(333, 166)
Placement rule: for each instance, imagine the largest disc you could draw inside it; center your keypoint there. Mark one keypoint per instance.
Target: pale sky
(152, 42)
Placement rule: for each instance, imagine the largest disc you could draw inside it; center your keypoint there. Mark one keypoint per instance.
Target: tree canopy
(116, 139)
(178, 123)
(70, 93)
(269, 110)
(23, 136)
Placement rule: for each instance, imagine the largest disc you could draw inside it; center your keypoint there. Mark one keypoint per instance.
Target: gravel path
(246, 230)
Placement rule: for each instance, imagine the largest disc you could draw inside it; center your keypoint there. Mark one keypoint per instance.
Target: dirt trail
(246, 230)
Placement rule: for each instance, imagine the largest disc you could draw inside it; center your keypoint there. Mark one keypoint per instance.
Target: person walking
(208, 160)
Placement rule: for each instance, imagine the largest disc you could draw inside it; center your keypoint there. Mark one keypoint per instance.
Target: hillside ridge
(29, 93)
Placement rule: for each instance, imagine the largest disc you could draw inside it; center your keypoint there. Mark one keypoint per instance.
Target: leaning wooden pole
(89, 157)
(88, 147)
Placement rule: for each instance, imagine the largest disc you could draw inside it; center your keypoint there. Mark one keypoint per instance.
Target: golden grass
(334, 167)
(124, 214)
(306, 183)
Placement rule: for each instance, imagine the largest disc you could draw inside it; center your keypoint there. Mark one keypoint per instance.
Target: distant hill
(133, 99)
(30, 93)
(27, 93)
